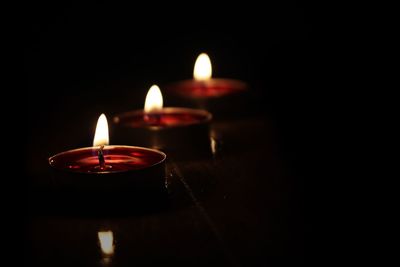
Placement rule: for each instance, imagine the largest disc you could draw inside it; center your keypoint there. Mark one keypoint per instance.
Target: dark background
(82, 59)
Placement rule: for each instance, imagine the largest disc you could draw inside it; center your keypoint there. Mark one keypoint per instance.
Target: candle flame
(154, 100)
(101, 134)
(106, 240)
(202, 68)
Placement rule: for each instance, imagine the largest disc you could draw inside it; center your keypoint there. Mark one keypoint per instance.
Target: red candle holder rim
(207, 117)
(162, 154)
(221, 87)
(214, 80)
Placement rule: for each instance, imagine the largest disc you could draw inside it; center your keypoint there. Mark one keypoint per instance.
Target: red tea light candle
(156, 117)
(163, 127)
(203, 86)
(109, 167)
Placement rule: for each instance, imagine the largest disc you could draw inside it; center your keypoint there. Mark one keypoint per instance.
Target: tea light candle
(167, 128)
(109, 167)
(202, 86)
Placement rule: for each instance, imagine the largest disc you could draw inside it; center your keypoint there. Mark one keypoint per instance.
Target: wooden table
(238, 206)
(241, 204)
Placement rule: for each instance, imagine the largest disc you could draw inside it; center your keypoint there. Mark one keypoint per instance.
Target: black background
(79, 58)
(83, 56)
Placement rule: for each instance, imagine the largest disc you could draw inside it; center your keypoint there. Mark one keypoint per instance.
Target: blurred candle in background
(203, 85)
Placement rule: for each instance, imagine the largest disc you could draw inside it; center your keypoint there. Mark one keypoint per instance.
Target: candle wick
(153, 118)
(157, 118)
(203, 85)
(100, 155)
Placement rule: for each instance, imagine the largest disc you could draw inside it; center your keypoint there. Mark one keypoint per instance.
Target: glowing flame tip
(154, 100)
(202, 68)
(101, 134)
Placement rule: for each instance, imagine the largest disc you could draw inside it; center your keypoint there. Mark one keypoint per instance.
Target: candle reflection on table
(106, 240)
